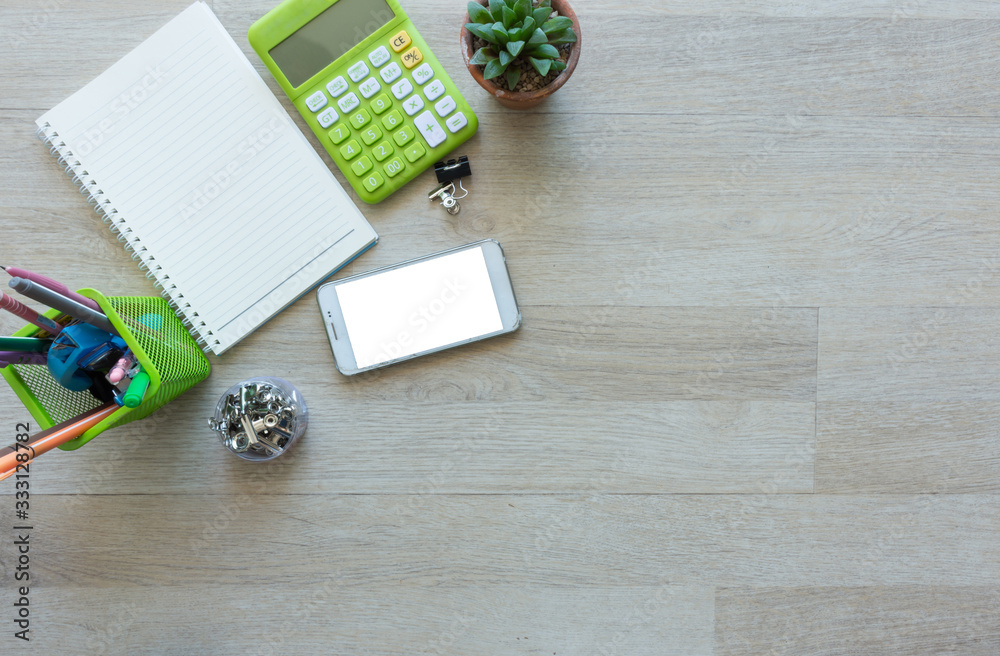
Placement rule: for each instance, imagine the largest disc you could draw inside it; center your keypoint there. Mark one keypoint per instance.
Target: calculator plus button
(391, 73)
(404, 136)
(400, 41)
(430, 129)
(337, 87)
(339, 133)
(373, 181)
(349, 102)
(412, 57)
(382, 151)
(456, 122)
(317, 101)
(327, 117)
(423, 74)
(378, 56)
(434, 90)
(414, 152)
(371, 135)
(350, 150)
(358, 72)
(381, 104)
(370, 87)
(360, 118)
(361, 166)
(402, 89)
(392, 120)
(394, 167)
(413, 104)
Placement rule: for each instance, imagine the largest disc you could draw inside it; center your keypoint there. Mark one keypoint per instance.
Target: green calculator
(367, 85)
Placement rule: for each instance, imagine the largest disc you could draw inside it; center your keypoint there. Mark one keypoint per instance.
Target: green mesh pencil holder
(159, 342)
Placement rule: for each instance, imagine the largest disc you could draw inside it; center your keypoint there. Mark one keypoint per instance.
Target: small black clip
(453, 170)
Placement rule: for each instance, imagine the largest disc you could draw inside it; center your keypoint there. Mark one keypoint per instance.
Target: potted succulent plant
(521, 51)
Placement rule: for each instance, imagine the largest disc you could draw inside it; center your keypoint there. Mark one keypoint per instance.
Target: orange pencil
(50, 438)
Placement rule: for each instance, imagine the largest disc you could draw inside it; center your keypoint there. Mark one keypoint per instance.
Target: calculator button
(414, 152)
(378, 57)
(392, 119)
(358, 72)
(382, 151)
(456, 122)
(402, 89)
(361, 166)
(381, 104)
(423, 74)
(430, 129)
(337, 87)
(327, 117)
(351, 150)
(412, 57)
(445, 106)
(349, 102)
(373, 181)
(413, 104)
(391, 73)
(317, 101)
(339, 133)
(404, 136)
(370, 87)
(371, 135)
(434, 90)
(360, 118)
(394, 167)
(400, 41)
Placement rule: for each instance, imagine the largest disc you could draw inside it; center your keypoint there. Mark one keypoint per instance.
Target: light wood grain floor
(753, 409)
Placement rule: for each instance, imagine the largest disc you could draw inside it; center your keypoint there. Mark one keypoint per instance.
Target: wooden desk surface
(753, 408)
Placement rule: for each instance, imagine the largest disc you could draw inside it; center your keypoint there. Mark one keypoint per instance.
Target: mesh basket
(159, 342)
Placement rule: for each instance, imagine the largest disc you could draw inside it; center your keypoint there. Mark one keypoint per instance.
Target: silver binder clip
(445, 193)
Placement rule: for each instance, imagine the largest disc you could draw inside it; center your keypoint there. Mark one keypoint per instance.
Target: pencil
(50, 438)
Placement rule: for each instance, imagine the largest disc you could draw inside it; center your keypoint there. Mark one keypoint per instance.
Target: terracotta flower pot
(524, 99)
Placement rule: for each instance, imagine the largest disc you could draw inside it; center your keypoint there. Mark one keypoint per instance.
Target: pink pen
(15, 306)
(54, 285)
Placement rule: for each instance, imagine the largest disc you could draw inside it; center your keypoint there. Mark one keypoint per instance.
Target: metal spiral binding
(97, 199)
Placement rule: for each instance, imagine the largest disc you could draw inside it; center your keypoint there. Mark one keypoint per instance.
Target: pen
(54, 285)
(62, 303)
(15, 306)
(24, 344)
(51, 438)
(136, 390)
(20, 357)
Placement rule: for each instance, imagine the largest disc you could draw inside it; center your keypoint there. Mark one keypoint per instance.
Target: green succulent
(518, 35)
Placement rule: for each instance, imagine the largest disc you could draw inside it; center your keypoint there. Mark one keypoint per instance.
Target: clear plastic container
(260, 418)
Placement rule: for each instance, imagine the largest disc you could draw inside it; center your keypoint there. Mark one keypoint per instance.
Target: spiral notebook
(193, 162)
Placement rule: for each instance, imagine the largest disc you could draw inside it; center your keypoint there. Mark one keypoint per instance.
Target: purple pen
(22, 357)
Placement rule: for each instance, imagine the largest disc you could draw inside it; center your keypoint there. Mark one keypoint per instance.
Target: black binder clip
(453, 169)
(448, 173)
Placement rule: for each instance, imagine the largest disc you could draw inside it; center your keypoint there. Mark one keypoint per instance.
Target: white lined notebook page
(209, 178)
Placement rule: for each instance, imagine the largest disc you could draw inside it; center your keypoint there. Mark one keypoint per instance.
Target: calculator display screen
(327, 37)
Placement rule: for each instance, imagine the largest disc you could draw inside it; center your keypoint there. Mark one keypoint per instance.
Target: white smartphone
(418, 307)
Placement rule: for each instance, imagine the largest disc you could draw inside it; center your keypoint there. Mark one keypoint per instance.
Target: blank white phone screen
(419, 307)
